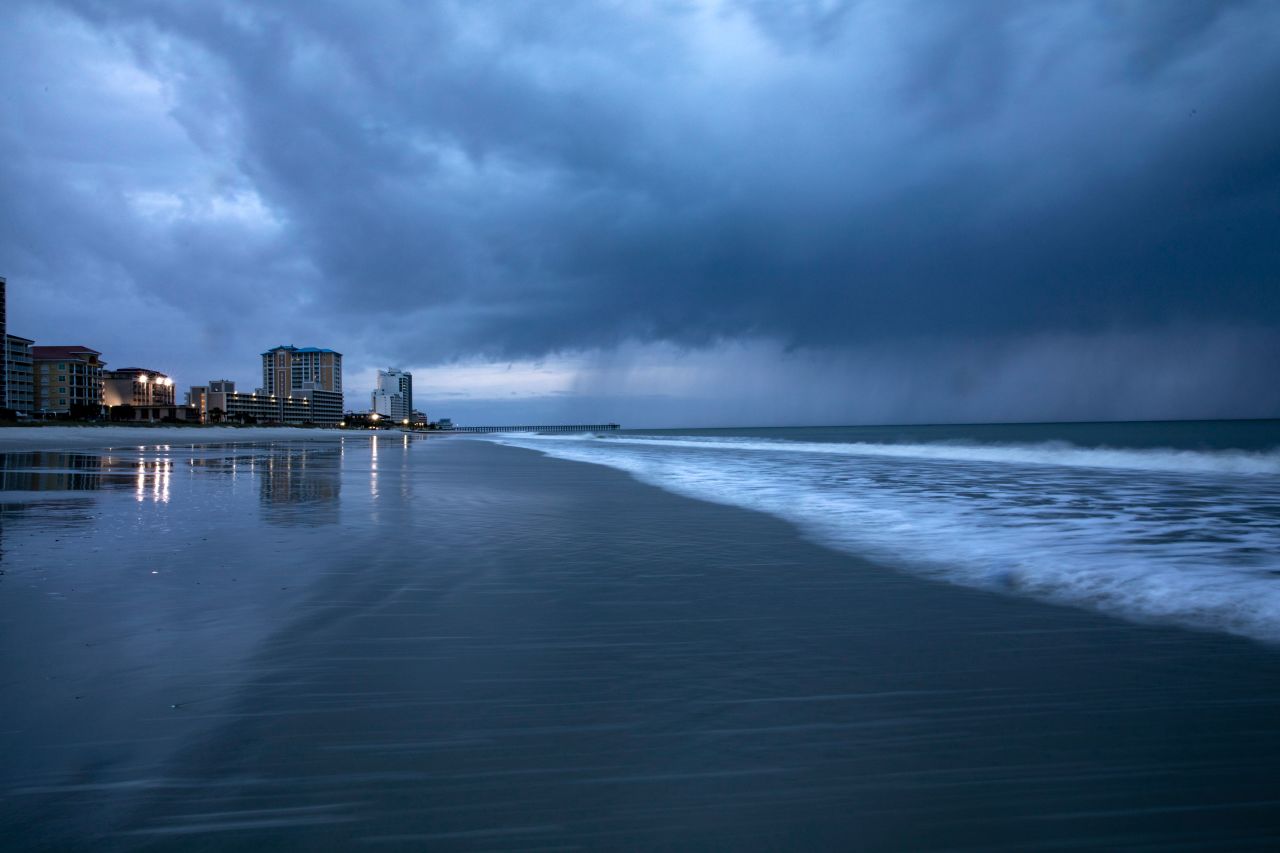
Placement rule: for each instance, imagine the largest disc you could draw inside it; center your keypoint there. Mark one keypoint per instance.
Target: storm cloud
(835, 210)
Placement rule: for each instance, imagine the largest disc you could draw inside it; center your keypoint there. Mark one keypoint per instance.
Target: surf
(1184, 536)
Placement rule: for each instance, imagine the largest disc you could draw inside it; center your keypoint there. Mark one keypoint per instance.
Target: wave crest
(1167, 460)
(1186, 547)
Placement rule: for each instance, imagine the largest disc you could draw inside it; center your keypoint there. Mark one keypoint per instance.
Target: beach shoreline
(480, 644)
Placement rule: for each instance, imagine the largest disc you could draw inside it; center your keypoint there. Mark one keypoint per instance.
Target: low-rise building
(139, 394)
(365, 420)
(198, 399)
(67, 379)
(247, 407)
(136, 386)
(219, 402)
(324, 407)
(154, 414)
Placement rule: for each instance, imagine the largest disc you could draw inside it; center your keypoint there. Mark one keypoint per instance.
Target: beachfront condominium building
(136, 386)
(20, 392)
(393, 398)
(16, 387)
(4, 350)
(220, 401)
(139, 394)
(67, 379)
(290, 368)
(324, 408)
(198, 396)
(198, 399)
(308, 373)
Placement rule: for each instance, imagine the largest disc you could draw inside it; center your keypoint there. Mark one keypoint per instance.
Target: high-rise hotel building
(287, 368)
(309, 373)
(4, 349)
(21, 378)
(16, 385)
(393, 398)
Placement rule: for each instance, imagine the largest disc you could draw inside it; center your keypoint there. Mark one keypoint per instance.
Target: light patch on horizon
(758, 382)
(497, 380)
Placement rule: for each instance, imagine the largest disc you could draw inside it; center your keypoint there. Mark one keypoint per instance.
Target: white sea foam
(1185, 536)
(1045, 453)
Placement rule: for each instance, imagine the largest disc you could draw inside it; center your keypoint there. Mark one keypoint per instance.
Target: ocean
(1168, 521)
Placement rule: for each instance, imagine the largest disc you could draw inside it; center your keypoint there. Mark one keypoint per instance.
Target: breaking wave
(1046, 453)
(1187, 536)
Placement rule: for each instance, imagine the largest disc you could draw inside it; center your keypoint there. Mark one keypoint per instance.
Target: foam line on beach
(1168, 460)
(1202, 551)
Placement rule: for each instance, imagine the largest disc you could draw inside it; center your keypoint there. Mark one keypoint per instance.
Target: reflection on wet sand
(529, 654)
(148, 474)
(297, 486)
(393, 450)
(152, 479)
(300, 488)
(43, 471)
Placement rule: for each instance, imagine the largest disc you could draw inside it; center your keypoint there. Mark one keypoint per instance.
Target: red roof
(56, 353)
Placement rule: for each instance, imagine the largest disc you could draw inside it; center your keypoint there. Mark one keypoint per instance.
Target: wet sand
(454, 645)
(53, 436)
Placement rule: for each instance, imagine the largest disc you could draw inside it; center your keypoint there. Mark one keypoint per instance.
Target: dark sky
(662, 213)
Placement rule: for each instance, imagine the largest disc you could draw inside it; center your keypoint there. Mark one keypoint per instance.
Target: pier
(550, 428)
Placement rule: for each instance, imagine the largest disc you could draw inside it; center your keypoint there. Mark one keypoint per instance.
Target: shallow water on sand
(1169, 521)
(449, 644)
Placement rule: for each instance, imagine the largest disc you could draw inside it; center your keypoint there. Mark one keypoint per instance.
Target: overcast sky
(665, 213)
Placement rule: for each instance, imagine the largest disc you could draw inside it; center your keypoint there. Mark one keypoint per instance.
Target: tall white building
(393, 398)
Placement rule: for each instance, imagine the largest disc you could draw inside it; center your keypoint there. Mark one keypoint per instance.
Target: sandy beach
(454, 645)
(842, 425)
